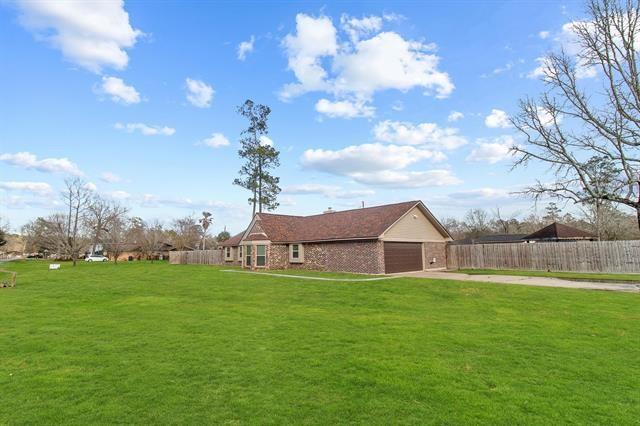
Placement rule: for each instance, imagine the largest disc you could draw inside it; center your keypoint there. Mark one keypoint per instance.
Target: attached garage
(402, 257)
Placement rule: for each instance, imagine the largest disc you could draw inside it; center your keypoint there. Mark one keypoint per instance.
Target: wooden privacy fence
(202, 257)
(582, 256)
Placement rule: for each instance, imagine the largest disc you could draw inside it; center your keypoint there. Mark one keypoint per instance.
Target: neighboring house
(13, 248)
(557, 232)
(374, 240)
(134, 251)
(493, 239)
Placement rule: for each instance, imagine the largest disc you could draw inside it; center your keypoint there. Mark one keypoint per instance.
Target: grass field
(148, 344)
(586, 276)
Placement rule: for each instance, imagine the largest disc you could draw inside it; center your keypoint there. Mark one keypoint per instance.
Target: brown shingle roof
(366, 223)
(558, 231)
(233, 241)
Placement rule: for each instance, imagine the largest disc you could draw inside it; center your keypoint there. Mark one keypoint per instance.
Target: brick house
(374, 240)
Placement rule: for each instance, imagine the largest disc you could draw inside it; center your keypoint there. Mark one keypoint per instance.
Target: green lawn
(566, 275)
(148, 344)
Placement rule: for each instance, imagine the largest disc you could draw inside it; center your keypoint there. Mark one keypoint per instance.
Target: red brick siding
(437, 250)
(366, 257)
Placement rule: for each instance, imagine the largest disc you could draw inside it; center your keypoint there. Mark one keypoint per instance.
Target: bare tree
(76, 197)
(153, 239)
(185, 232)
(101, 215)
(575, 132)
(505, 224)
(477, 223)
(115, 237)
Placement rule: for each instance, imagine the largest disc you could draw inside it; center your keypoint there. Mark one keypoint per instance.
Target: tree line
(91, 224)
(607, 223)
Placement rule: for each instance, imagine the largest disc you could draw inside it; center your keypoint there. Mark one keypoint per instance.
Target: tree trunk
(260, 185)
(254, 201)
(96, 237)
(638, 214)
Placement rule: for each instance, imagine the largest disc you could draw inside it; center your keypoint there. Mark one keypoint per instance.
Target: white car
(96, 258)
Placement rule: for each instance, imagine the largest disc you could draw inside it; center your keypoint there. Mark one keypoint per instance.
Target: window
(248, 256)
(296, 254)
(240, 253)
(227, 253)
(261, 255)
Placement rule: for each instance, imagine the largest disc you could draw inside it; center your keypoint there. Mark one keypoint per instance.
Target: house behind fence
(580, 256)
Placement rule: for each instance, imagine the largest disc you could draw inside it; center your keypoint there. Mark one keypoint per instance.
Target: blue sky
(373, 101)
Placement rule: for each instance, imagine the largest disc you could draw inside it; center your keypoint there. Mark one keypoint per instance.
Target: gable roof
(364, 223)
(558, 231)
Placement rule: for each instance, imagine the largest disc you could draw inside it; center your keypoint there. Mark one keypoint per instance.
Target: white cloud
(13, 201)
(330, 191)
(199, 93)
(118, 90)
(216, 140)
(497, 119)
(110, 177)
(544, 34)
(378, 164)
(40, 188)
(408, 179)
(93, 35)
(153, 201)
(479, 197)
(388, 61)
(266, 141)
(429, 134)
(365, 158)
(397, 106)
(314, 39)
(455, 116)
(245, 47)
(344, 109)
(546, 118)
(359, 68)
(91, 186)
(541, 70)
(145, 129)
(28, 160)
(505, 68)
(362, 27)
(492, 151)
(570, 42)
(118, 195)
(486, 193)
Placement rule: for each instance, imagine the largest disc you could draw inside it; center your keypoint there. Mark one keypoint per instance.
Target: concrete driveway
(518, 280)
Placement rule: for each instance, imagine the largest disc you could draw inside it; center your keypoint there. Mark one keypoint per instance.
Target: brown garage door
(402, 257)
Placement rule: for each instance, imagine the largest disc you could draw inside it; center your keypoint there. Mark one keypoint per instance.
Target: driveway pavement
(518, 280)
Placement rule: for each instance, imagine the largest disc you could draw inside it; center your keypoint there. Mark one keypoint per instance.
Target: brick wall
(366, 257)
(437, 250)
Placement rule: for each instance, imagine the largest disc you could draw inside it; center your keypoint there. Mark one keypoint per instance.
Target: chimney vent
(329, 210)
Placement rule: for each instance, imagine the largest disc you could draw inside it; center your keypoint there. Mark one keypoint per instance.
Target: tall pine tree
(260, 159)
